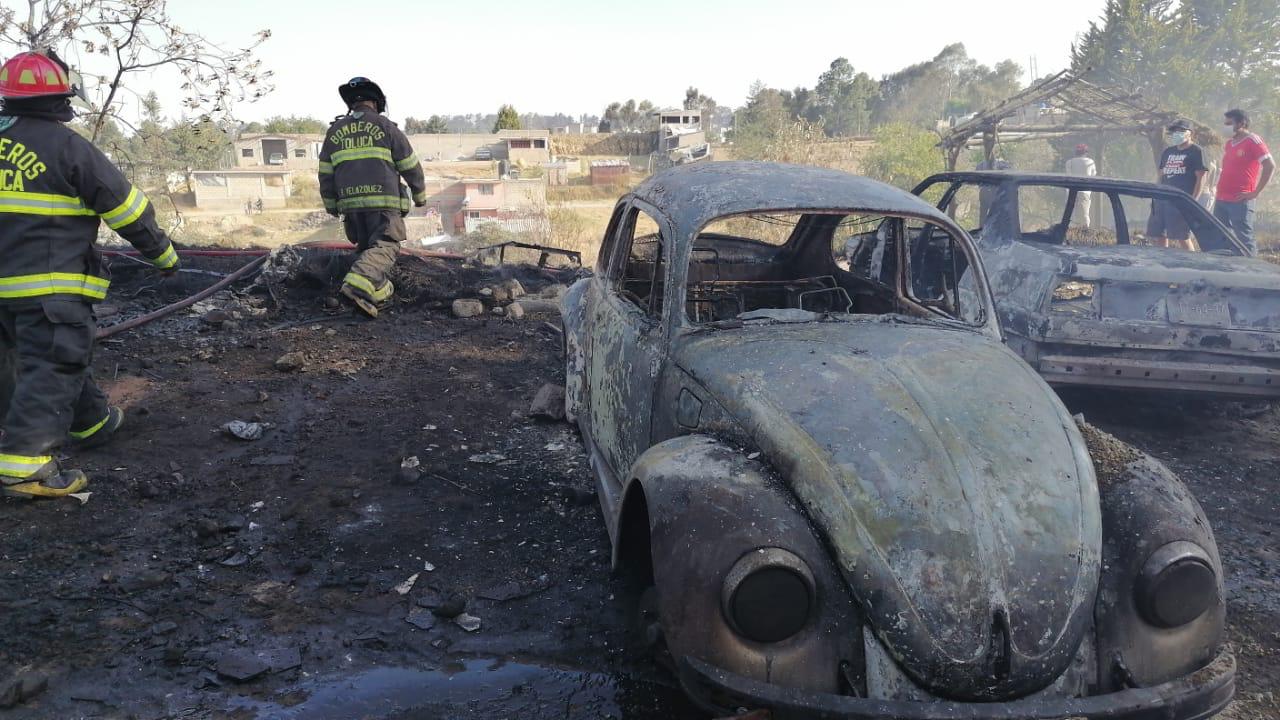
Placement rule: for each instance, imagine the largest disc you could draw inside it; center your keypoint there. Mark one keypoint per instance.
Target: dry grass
(586, 193)
(579, 229)
(457, 170)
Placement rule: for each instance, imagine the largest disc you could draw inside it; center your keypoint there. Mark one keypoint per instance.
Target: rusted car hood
(1148, 264)
(950, 484)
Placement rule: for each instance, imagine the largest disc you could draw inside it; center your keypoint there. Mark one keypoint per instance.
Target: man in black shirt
(1181, 166)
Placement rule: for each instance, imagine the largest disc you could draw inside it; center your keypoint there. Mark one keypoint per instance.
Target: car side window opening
(1066, 216)
(964, 205)
(939, 273)
(641, 274)
(1175, 222)
(868, 251)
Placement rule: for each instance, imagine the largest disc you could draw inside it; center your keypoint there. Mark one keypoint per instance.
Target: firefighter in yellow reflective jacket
(361, 162)
(55, 189)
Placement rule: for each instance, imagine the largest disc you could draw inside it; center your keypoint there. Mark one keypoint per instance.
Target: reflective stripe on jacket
(55, 190)
(363, 158)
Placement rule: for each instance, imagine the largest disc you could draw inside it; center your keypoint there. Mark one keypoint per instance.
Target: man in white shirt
(1082, 166)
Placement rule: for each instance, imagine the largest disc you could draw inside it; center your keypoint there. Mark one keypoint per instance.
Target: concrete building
(294, 152)
(232, 189)
(678, 118)
(461, 203)
(578, 128)
(527, 146)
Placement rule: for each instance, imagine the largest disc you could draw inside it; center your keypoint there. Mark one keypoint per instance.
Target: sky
(576, 56)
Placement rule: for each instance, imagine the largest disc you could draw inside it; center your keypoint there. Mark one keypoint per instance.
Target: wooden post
(989, 146)
(1099, 219)
(1156, 138)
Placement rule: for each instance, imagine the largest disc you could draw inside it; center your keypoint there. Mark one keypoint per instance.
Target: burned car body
(1088, 301)
(842, 495)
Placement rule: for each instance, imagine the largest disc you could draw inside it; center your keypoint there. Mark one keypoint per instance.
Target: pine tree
(508, 119)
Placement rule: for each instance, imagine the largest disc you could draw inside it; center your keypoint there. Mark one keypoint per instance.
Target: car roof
(693, 195)
(992, 177)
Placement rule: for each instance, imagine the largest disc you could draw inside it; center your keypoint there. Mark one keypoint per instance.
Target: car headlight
(769, 595)
(1177, 585)
(1073, 297)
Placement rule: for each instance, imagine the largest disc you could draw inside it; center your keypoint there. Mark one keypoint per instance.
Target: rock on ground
(548, 403)
(467, 308)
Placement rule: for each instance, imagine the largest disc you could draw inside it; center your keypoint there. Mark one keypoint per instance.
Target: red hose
(317, 245)
(262, 257)
(195, 253)
(110, 330)
(332, 245)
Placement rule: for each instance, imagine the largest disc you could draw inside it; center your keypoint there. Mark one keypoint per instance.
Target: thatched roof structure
(1061, 105)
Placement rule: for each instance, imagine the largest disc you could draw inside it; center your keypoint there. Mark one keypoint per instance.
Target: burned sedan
(840, 495)
(1089, 294)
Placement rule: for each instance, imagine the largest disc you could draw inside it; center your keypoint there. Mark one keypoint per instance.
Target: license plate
(1200, 310)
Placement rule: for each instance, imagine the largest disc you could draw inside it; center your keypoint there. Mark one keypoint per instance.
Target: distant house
(294, 152)
(578, 128)
(232, 189)
(685, 119)
(678, 130)
(463, 204)
(610, 172)
(557, 173)
(527, 146)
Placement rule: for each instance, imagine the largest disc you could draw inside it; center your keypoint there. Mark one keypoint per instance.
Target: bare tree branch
(122, 38)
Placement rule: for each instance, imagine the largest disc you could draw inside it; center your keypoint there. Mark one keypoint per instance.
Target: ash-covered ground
(319, 571)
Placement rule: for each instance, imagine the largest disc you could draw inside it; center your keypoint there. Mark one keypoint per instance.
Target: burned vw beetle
(1090, 292)
(842, 496)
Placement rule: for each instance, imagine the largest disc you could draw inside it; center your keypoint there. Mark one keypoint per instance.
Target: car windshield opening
(1079, 216)
(803, 267)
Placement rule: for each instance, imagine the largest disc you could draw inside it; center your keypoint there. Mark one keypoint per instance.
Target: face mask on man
(1228, 129)
(1179, 137)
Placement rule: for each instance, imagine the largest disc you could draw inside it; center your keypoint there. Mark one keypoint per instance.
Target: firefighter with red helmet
(55, 190)
(363, 158)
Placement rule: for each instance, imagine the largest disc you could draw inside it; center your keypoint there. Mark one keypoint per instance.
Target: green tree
(294, 125)
(158, 149)
(951, 83)
(1139, 45)
(695, 100)
(434, 125)
(508, 119)
(903, 155)
(611, 120)
(842, 99)
(766, 130)
(629, 114)
(1196, 56)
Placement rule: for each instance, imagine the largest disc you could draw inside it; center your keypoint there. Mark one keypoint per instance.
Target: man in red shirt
(1247, 167)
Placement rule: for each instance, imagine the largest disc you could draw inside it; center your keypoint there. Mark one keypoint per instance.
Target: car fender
(573, 313)
(1144, 509)
(693, 508)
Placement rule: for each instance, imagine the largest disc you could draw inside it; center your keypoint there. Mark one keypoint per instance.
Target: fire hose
(262, 256)
(250, 267)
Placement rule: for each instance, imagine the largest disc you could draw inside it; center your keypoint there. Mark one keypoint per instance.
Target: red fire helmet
(31, 75)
